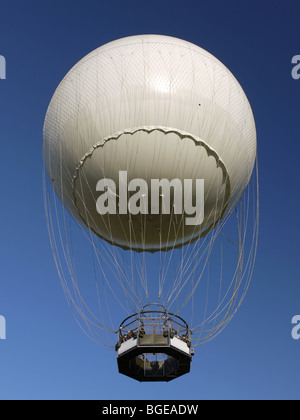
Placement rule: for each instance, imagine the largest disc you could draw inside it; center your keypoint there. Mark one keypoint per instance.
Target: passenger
(141, 331)
(165, 331)
(171, 330)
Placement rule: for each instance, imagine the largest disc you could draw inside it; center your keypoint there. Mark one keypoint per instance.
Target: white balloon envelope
(155, 107)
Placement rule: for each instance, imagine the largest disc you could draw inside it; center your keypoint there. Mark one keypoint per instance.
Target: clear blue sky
(45, 354)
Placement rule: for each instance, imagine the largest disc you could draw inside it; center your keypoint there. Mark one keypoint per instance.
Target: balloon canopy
(147, 108)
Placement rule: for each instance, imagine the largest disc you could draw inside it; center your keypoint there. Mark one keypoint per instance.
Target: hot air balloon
(149, 144)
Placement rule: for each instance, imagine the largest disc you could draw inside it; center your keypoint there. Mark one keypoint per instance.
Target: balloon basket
(154, 345)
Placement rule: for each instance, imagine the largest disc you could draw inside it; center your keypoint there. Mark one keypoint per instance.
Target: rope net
(204, 282)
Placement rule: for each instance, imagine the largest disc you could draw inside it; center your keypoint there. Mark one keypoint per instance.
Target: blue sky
(45, 354)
